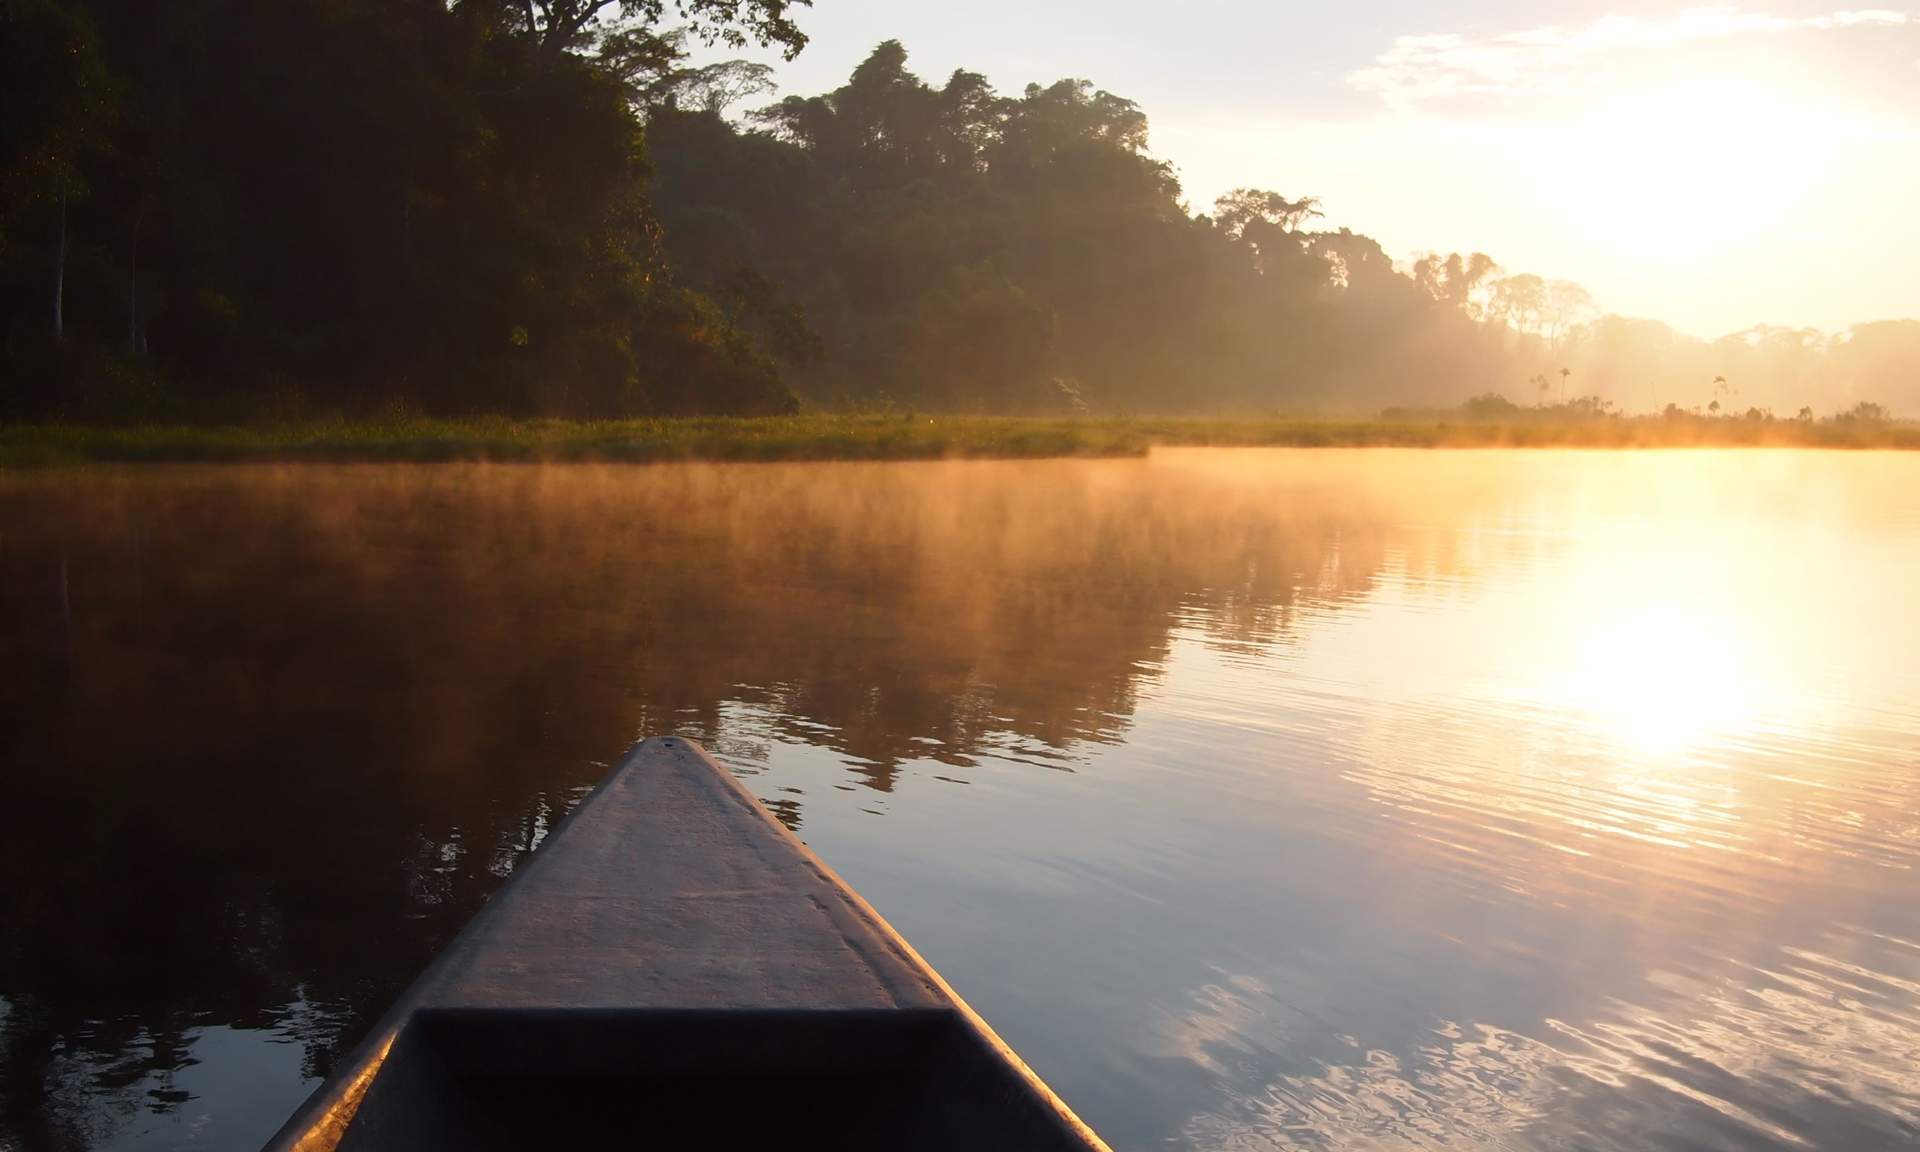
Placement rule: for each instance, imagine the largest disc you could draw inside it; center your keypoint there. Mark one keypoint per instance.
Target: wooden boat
(673, 968)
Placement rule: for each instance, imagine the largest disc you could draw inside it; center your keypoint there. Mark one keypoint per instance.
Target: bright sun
(1689, 167)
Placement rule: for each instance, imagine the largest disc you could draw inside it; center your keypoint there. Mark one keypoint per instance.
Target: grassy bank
(818, 437)
(876, 437)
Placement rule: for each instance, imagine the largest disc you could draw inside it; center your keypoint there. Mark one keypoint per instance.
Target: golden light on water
(1621, 659)
(1662, 678)
(1669, 638)
(1662, 702)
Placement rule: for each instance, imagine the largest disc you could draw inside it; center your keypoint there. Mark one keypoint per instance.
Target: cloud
(1428, 69)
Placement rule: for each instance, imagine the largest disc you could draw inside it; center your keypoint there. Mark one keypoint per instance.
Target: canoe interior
(672, 968)
(712, 1080)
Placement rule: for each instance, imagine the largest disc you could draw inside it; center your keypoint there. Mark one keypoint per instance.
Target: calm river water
(1260, 799)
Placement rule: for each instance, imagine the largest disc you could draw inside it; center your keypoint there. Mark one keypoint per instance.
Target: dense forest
(213, 208)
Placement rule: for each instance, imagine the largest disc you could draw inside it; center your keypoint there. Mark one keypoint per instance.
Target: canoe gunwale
(875, 988)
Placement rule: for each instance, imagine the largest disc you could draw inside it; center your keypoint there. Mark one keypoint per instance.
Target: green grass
(499, 438)
(871, 437)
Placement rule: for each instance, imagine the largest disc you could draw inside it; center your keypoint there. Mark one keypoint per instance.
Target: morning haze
(1713, 166)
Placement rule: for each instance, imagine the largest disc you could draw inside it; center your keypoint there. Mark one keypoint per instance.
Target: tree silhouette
(565, 25)
(540, 206)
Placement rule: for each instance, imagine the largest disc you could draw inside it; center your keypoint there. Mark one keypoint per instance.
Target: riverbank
(878, 437)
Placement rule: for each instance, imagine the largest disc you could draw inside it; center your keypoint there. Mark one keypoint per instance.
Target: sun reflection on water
(1638, 757)
(1663, 677)
(1666, 636)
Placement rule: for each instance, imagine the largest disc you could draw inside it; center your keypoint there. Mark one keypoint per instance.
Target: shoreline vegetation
(917, 436)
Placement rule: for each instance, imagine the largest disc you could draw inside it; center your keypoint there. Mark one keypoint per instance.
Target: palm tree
(1564, 373)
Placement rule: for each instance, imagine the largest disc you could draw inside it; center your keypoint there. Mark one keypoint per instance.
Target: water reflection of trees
(272, 735)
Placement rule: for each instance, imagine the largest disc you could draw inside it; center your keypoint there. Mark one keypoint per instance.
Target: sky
(1714, 167)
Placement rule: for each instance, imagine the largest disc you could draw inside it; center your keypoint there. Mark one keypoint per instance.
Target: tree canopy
(359, 200)
(954, 246)
(545, 206)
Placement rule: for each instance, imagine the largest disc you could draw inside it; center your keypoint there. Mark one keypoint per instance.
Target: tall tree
(573, 25)
(357, 201)
(59, 102)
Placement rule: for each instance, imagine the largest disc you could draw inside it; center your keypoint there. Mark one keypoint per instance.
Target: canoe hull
(673, 964)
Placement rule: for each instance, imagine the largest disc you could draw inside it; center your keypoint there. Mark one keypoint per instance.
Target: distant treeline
(540, 206)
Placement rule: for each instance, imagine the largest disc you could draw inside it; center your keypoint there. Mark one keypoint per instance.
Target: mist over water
(1259, 799)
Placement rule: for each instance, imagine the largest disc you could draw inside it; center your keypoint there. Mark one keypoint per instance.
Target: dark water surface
(1292, 799)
